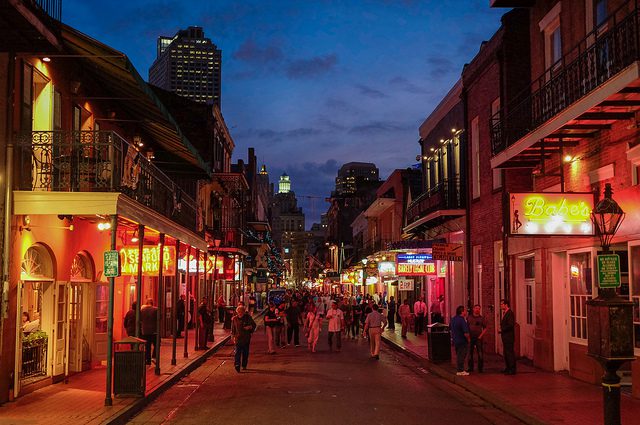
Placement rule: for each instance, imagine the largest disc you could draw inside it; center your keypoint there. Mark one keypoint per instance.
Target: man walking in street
(336, 325)
(460, 336)
(242, 326)
(391, 313)
(270, 323)
(374, 324)
(507, 333)
(149, 328)
(294, 320)
(405, 314)
(477, 328)
(419, 309)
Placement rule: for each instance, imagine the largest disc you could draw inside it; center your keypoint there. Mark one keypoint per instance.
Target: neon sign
(564, 214)
(414, 265)
(386, 268)
(150, 261)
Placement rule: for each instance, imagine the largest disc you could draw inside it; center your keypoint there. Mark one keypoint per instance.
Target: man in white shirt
(336, 325)
(419, 309)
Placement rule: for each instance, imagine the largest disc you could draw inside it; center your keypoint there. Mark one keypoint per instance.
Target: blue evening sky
(313, 84)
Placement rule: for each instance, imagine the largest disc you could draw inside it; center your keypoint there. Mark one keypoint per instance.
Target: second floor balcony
(446, 195)
(591, 86)
(98, 161)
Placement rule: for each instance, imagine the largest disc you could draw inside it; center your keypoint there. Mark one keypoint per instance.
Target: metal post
(187, 304)
(108, 401)
(174, 305)
(196, 296)
(215, 298)
(139, 278)
(161, 306)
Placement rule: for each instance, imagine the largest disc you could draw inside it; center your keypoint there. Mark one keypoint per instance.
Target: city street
(298, 387)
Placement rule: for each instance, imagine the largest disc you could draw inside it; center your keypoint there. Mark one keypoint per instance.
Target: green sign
(111, 264)
(609, 271)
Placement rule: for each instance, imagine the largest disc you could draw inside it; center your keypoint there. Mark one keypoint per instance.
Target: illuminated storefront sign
(386, 268)
(193, 267)
(414, 265)
(564, 214)
(150, 261)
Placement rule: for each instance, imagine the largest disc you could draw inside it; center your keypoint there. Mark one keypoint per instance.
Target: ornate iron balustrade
(445, 195)
(99, 161)
(598, 57)
(34, 358)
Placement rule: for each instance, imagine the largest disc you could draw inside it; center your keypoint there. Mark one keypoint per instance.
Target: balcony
(601, 58)
(446, 195)
(52, 8)
(99, 161)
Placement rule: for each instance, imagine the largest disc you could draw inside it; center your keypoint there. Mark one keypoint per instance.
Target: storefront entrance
(525, 292)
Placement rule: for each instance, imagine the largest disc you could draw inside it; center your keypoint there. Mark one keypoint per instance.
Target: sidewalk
(81, 401)
(534, 396)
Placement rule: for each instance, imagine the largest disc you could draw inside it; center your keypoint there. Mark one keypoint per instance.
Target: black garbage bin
(439, 342)
(129, 368)
(228, 314)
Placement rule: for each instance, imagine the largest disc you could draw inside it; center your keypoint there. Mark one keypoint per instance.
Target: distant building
(352, 175)
(190, 65)
(284, 185)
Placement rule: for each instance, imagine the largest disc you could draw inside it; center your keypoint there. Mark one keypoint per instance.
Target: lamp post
(609, 317)
(364, 274)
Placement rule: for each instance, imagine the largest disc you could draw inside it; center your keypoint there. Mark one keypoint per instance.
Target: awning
(117, 79)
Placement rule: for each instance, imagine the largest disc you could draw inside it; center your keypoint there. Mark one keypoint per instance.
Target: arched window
(81, 268)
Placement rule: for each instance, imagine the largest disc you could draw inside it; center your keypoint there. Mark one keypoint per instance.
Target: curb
(125, 414)
(484, 394)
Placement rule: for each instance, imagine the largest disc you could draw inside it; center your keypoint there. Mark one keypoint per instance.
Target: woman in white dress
(313, 322)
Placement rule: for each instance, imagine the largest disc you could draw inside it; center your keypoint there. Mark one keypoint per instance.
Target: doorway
(499, 293)
(526, 305)
(80, 314)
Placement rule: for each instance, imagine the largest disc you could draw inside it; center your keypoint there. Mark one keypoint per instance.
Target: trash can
(439, 342)
(228, 314)
(129, 369)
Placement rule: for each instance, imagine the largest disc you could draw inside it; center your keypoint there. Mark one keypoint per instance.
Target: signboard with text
(405, 285)
(549, 214)
(111, 264)
(447, 251)
(150, 260)
(415, 265)
(609, 271)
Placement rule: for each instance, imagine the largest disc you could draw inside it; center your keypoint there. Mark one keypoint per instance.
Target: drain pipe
(8, 183)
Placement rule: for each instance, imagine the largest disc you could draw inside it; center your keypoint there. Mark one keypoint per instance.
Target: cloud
(401, 83)
(375, 127)
(370, 92)
(440, 66)
(275, 136)
(313, 67)
(249, 51)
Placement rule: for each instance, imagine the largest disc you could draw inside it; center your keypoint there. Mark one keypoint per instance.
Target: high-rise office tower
(355, 175)
(188, 64)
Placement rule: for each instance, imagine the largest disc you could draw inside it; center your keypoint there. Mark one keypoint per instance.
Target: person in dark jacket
(130, 321)
(391, 313)
(204, 316)
(149, 328)
(507, 332)
(460, 336)
(242, 326)
(180, 316)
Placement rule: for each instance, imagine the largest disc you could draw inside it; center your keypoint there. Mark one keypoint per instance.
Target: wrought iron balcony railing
(52, 8)
(446, 195)
(99, 161)
(598, 57)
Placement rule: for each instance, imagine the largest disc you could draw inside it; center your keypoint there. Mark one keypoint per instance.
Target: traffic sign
(447, 251)
(609, 271)
(111, 264)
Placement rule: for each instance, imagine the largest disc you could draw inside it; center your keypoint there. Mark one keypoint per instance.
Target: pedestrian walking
(374, 324)
(460, 336)
(280, 324)
(129, 320)
(336, 326)
(356, 311)
(507, 333)
(270, 323)
(436, 310)
(313, 323)
(419, 309)
(242, 326)
(405, 315)
(221, 305)
(391, 313)
(294, 320)
(180, 316)
(477, 328)
(204, 318)
(149, 328)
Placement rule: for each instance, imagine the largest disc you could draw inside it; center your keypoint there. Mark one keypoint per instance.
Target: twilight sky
(313, 84)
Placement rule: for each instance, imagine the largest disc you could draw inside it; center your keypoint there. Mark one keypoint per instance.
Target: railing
(34, 358)
(443, 196)
(602, 54)
(99, 161)
(52, 8)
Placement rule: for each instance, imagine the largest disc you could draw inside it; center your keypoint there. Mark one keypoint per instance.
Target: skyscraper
(353, 176)
(188, 64)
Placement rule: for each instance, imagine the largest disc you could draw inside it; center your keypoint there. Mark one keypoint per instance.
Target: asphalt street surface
(295, 386)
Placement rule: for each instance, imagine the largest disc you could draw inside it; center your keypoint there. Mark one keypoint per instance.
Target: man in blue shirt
(460, 335)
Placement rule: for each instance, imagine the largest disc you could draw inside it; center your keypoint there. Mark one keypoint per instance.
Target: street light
(364, 274)
(609, 317)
